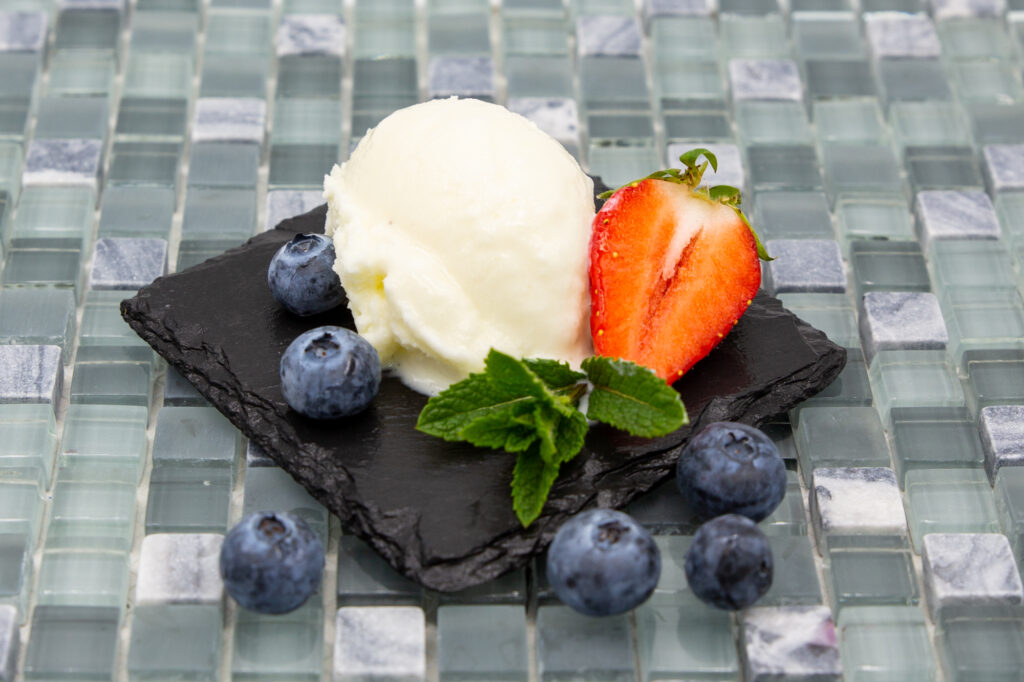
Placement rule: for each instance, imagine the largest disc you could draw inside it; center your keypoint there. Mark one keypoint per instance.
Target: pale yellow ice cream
(460, 226)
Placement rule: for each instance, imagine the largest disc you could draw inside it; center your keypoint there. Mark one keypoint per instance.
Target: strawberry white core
(692, 215)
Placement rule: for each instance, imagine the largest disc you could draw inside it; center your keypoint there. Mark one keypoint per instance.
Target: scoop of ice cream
(460, 226)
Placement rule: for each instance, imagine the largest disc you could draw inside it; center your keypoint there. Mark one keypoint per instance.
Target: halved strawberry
(673, 266)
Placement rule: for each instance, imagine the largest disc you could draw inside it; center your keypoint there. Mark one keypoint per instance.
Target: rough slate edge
(396, 539)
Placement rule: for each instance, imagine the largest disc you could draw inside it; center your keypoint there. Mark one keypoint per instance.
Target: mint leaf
(515, 377)
(447, 414)
(498, 432)
(632, 398)
(531, 482)
(570, 435)
(558, 376)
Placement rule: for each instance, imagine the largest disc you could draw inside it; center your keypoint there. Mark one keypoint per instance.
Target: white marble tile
(804, 266)
(730, 162)
(899, 34)
(790, 643)
(379, 643)
(967, 9)
(31, 374)
(286, 203)
(1004, 167)
(955, 214)
(308, 34)
(856, 501)
(461, 77)
(964, 570)
(9, 642)
(180, 568)
(1002, 434)
(556, 116)
(229, 119)
(22, 31)
(901, 320)
(127, 262)
(765, 79)
(63, 162)
(608, 36)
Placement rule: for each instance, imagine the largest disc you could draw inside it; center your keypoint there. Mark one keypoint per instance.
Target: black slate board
(440, 512)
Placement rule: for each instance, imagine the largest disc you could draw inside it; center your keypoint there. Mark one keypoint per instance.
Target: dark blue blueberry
(271, 562)
(730, 468)
(329, 372)
(729, 564)
(602, 562)
(301, 275)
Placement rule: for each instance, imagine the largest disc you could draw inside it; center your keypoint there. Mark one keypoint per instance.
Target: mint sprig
(530, 408)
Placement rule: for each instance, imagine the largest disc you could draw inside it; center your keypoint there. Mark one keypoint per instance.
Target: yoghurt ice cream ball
(460, 226)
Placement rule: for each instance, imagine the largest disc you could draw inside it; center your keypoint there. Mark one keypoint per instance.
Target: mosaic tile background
(880, 146)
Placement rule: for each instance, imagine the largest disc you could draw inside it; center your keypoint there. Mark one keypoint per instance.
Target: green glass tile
(10, 167)
(173, 32)
(851, 387)
(386, 9)
(307, 121)
(92, 515)
(21, 508)
(943, 171)
(196, 436)
(546, 8)
(538, 76)
(111, 384)
(72, 642)
(459, 34)
(309, 76)
(986, 82)
(279, 647)
(373, 39)
(20, 71)
(888, 266)
(789, 518)
(71, 117)
(224, 164)
(188, 499)
(105, 436)
(364, 578)
(697, 126)
(903, 80)
(83, 578)
(610, 83)
(152, 164)
(840, 437)
(839, 325)
(195, 253)
(773, 123)
(949, 501)
(1009, 494)
(849, 121)
(817, 35)
(175, 642)
(872, 577)
(273, 488)
(27, 450)
(53, 217)
(795, 576)
(860, 170)
(313, 6)
(974, 39)
(574, 646)
(914, 379)
(233, 75)
(482, 642)
(303, 165)
(15, 569)
(672, 581)
(885, 644)
(754, 8)
(38, 316)
(820, 6)
(619, 165)
(997, 123)
(792, 215)
(162, 76)
(78, 73)
(1010, 206)
(995, 378)
(884, 218)
(688, 641)
(934, 438)
(136, 212)
(381, 83)
(685, 36)
(509, 588)
(622, 129)
(50, 268)
(152, 118)
(238, 32)
(784, 167)
(102, 324)
(983, 649)
(682, 83)
(224, 217)
(587, 7)
(752, 36)
(827, 78)
(88, 29)
(964, 264)
(14, 116)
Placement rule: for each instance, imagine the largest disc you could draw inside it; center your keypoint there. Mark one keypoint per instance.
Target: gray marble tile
(22, 31)
(462, 77)
(127, 262)
(856, 501)
(608, 36)
(556, 116)
(804, 266)
(9, 642)
(898, 34)
(654, 9)
(300, 34)
(791, 643)
(955, 214)
(229, 119)
(901, 320)
(730, 162)
(765, 79)
(965, 570)
(63, 162)
(966, 9)
(285, 203)
(379, 642)
(178, 391)
(1004, 167)
(31, 374)
(256, 457)
(1002, 434)
(180, 568)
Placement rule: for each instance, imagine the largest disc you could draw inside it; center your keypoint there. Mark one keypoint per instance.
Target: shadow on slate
(441, 513)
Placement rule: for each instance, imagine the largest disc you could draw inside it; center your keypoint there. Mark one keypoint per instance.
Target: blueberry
(329, 372)
(301, 275)
(729, 564)
(602, 562)
(271, 562)
(730, 468)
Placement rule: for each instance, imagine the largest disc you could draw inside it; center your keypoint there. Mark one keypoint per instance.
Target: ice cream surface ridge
(459, 226)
